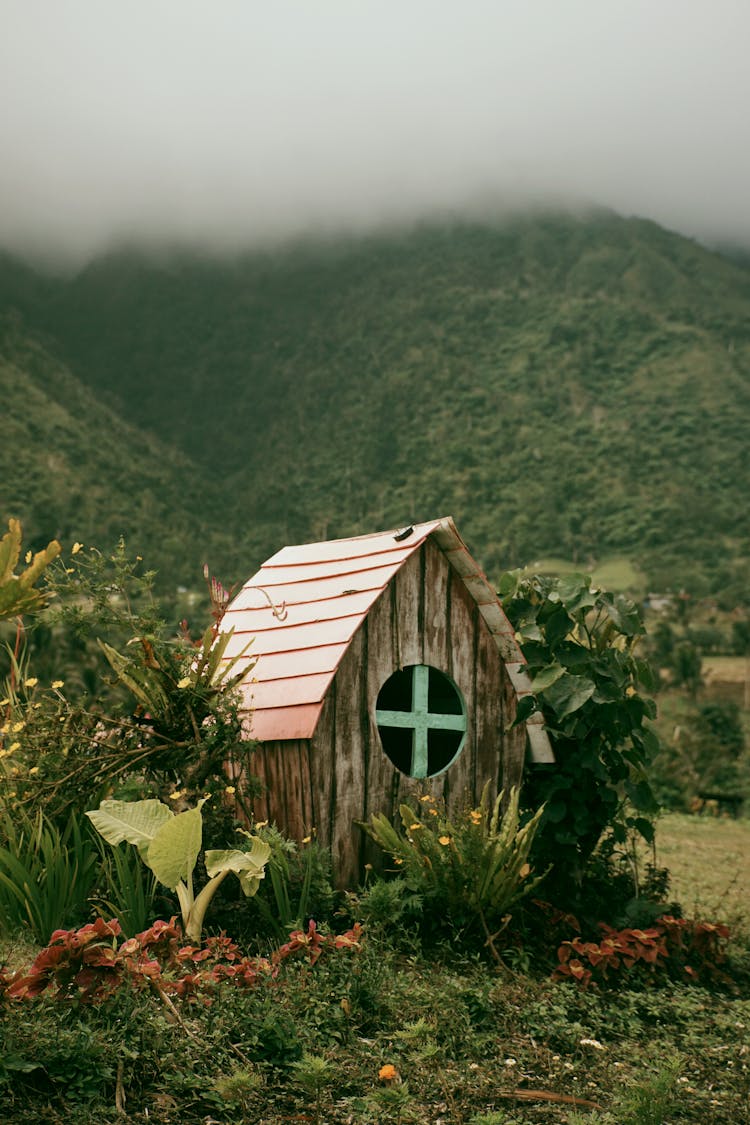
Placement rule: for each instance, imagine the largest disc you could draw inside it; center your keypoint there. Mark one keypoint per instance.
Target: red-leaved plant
(88, 965)
(672, 947)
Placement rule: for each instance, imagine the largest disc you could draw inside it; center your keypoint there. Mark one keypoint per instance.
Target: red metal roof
(305, 604)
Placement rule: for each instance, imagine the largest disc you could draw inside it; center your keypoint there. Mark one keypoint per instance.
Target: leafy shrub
(169, 845)
(581, 645)
(46, 874)
(88, 965)
(468, 871)
(672, 947)
(168, 719)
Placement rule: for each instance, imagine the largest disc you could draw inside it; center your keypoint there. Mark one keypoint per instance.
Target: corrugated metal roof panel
(305, 662)
(289, 691)
(359, 546)
(303, 613)
(288, 639)
(274, 576)
(285, 723)
(295, 593)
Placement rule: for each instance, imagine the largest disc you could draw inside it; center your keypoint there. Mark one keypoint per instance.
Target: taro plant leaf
(248, 866)
(170, 844)
(173, 852)
(137, 822)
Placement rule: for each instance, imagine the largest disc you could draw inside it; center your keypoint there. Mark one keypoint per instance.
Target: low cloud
(240, 123)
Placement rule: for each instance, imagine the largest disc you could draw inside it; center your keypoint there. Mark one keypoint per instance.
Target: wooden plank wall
(425, 616)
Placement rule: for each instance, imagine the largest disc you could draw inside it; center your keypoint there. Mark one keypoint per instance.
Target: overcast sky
(228, 122)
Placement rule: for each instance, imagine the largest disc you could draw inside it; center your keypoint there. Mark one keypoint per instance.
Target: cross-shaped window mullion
(420, 720)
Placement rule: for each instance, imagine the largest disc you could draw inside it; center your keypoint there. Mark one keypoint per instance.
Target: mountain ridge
(562, 386)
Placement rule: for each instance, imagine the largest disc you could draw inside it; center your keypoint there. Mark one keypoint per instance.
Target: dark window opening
(421, 719)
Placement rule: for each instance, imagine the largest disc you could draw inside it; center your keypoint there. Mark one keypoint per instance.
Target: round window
(421, 718)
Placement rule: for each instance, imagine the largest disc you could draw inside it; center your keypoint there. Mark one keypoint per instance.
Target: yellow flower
(18, 726)
(13, 747)
(33, 770)
(230, 789)
(398, 861)
(414, 827)
(28, 557)
(76, 548)
(444, 840)
(426, 797)
(184, 682)
(176, 795)
(31, 682)
(432, 812)
(388, 1073)
(56, 684)
(475, 816)
(307, 839)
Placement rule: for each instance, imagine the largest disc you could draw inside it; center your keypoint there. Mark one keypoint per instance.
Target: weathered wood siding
(425, 616)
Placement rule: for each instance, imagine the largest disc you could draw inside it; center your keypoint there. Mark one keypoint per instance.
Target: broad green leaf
(137, 822)
(173, 852)
(576, 593)
(568, 694)
(623, 613)
(527, 705)
(557, 626)
(508, 583)
(547, 677)
(249, 866)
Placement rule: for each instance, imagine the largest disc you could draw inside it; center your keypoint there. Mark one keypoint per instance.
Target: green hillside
(71, 468)
(565, 387)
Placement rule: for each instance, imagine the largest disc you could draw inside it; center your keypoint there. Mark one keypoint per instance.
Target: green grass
(709, 861)
(612, 573)
(470, 1045)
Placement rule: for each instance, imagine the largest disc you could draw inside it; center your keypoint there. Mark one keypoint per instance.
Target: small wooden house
(385, 666)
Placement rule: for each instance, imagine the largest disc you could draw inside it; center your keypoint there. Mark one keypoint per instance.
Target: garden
(167, 958)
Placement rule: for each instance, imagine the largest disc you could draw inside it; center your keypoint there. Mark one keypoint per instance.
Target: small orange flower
(444, 840)
(388, 1073)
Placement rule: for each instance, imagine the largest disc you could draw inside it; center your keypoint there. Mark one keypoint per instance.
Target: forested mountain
(567, 386)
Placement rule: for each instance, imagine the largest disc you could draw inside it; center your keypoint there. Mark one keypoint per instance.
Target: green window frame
(421, 718)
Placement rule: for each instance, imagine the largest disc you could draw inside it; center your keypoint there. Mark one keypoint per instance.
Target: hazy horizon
(245, 125)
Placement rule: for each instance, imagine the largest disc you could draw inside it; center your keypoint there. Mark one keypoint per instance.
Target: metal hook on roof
(280, 612)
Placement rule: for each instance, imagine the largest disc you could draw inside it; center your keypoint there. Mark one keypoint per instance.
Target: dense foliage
(581, 646)
(138, 1017)
(572, 387)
